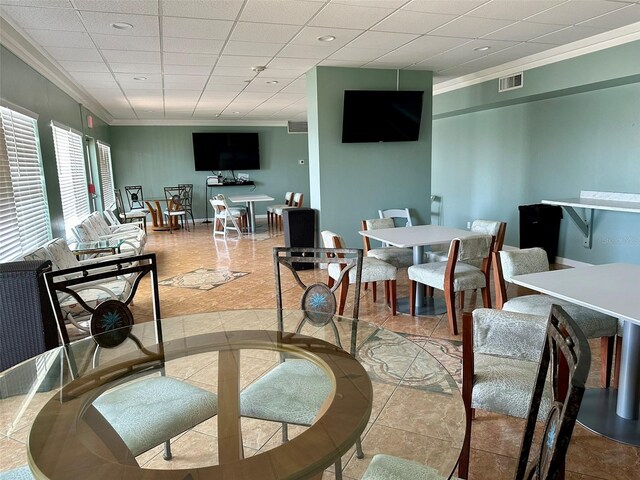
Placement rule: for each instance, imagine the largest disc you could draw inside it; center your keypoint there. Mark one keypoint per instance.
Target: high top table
(249, 200)
(417, 237)
(611, 289)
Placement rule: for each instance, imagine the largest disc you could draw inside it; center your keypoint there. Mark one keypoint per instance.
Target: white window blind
(106, 175)
(72, 177)
(24, 213)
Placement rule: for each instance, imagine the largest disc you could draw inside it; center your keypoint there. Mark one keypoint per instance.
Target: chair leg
(386, 293)
(344, 288)
(285, 433)
(461, 299)
(412, 297)
(374, 291)
(606, 356)
(616, 368)
(330, 282)
(486, 297)
(465, 454)
(366, 286)
(450, 300)
(359, 452)
(167, 450)
(393, 296)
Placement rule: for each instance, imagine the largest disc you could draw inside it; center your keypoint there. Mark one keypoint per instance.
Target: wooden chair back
(288, 198)
(374, 224)
(297, 200)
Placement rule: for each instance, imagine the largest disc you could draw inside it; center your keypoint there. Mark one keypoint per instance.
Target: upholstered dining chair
(296, 202)
(504, 371)
(294, 391)
(175, 209)
(456, 274)
(131, 215)
(373, 271)
(402, 215)
(271, 210)
(225, 219)
(396, 256)
(508, 263)
(151, 410)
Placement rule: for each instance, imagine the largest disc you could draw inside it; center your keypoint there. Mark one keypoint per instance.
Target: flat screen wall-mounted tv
(381, 116)
(226, 151)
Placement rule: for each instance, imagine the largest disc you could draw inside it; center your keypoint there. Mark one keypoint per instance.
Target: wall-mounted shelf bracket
(584, 225)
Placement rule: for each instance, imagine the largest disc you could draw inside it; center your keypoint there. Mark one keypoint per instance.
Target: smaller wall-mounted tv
(226, 151)
(381, 116)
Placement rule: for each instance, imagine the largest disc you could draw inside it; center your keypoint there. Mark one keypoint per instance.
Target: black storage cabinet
(540, 227)
(300, 231)
(27, 324)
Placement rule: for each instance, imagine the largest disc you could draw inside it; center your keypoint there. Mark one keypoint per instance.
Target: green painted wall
(155, 157)
(351, 181)
(23, 86)
(489, 161)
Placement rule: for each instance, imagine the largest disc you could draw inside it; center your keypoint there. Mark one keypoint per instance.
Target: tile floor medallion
(447, 352)
(202, 279)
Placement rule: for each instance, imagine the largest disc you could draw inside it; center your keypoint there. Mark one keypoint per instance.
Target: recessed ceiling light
(217, 114)
(272, 82)
(140, 78)
(482, 49)
(326, 38)
(259, 68)
(122, 26)
(236, 113)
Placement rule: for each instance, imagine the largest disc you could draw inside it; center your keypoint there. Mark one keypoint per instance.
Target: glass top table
(111, 245)
(416, 410)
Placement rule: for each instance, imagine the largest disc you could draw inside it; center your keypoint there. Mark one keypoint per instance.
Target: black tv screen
(381, 116)
(226, 151)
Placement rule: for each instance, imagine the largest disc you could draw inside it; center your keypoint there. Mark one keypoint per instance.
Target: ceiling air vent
(510, 83)
(297, 127)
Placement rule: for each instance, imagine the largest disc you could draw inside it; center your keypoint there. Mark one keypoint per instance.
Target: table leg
(424, 305)
(418, 256)
(229, 431)
(615, 413)
(154, 214)
(252, 217)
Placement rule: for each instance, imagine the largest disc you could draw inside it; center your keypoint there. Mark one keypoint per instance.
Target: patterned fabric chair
(457, 274)
(94, 228)
(21, 473)
(396, 256)
(484, 227)
(296, 202)
(373, 271)
(271, 210)
(150, 411)
(516, 383)
(594, 324)
(294, 391)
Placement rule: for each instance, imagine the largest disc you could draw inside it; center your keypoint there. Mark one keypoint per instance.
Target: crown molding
(585, 46)
(197, 123)
(15, 40)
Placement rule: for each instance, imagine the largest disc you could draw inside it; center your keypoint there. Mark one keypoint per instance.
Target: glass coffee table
(109, 246)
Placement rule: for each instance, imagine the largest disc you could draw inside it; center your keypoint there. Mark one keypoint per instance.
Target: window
(72, 176)
(106, 175)
(24, 213)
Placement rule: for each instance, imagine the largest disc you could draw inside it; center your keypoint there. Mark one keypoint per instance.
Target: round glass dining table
(396, 396)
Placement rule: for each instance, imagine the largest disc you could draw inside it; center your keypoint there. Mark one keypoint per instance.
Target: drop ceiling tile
(187, 82)
(140, 86)
(191, 45)
(57, 38)
(73, 66)
(134, 93)
(297, 86)
(146, 104)
(103, 92)
(287, 97)
(523, 31)
(616, 19)
(291, 63)
(332, 62)
(575, 11)
(471, 27)
(358, 54)
(120, 112)
(286, 72)
(412, 22)
(241, 72)
(349, 16)
(249, 97)
(568, 35)
(118, 42)
(310, 35)
(94, 78)
(149, 114)
(389, 64)
(128, 78)
(401, 57)
(217, 98)
(429, 45)
(186, 95)
(510, 10)
(148, 7)
(75, 54)
(252, 48)
(135, 68)
(220, 9)
(43, 18)
(443, 6)
(196, 28)
(382, 40)
(308, 51)
(214, 87)
(188, 59)
(287, 12)
(263, 87)
(242, 61)
(39, 3)
(131, 56)
(187, 69)
(256, 32)
(227, 80)
(143, 25)
(459, 70)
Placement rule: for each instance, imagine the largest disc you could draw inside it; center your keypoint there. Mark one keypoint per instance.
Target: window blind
(24, 212)
(72, 177)
(106, 175)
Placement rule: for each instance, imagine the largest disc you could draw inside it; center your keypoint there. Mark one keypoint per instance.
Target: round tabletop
(416, 411)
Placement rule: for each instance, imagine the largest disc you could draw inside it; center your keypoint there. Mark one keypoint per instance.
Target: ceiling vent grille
(297, 127)
(510, 83)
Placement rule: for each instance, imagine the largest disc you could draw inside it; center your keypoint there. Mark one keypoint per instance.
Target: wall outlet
(469, 225)
(301, 162)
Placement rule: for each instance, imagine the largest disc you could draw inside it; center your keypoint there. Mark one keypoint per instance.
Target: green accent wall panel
(157, 157)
